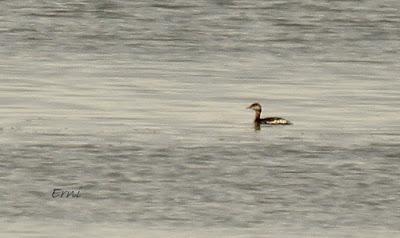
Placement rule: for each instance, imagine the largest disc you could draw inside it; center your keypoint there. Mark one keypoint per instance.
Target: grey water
(141, 106)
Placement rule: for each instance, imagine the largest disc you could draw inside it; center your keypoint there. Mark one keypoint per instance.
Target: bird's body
(273, 121)
(267, 120)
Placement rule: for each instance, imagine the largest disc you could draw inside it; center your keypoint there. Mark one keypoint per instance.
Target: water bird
(267, 120)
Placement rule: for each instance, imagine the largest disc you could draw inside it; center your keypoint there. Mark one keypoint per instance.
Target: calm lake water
(140, 105)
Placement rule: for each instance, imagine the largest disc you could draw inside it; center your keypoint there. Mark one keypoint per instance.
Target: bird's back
(275, 121)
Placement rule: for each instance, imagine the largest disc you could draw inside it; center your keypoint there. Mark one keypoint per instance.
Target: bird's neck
(258, 115)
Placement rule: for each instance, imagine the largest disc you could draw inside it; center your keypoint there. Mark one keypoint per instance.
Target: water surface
(141, 105)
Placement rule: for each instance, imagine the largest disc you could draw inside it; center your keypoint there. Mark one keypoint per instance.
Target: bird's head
(255, 106)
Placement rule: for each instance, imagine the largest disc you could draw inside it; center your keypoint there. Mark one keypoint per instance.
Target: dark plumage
(267, 120)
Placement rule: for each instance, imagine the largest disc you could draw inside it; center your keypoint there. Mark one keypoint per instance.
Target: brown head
(255, 106)
(257, 109)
